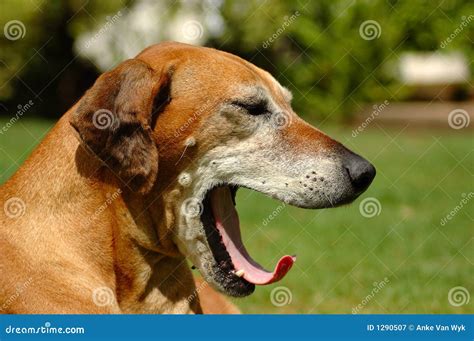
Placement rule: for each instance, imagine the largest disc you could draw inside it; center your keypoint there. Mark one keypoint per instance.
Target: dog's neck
(122, 238)
(150, 271)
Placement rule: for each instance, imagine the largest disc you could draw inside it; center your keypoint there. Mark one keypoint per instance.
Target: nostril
(348, 171)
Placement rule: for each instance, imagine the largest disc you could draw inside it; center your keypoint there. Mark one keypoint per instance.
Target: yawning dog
(141, 175)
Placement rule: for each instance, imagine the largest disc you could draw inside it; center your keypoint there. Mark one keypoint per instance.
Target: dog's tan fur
(97, 217)
(54, 257)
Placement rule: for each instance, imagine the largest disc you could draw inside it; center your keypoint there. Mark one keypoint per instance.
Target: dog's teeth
(240, 273)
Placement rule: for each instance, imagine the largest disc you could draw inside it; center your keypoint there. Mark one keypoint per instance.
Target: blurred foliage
(41, 66)
(320, 55)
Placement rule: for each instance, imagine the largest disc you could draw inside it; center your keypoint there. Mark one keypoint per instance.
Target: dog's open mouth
(238, 271)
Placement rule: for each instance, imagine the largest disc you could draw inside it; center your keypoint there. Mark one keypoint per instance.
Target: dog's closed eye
(252, 108)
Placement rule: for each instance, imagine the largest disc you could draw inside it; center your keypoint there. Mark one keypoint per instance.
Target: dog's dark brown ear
(114, 120)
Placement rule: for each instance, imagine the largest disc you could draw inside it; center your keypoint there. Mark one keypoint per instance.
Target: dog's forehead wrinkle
(216, 68)
(251, 92)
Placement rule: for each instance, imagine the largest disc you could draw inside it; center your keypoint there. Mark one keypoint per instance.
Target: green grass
(421, 177)
(18, 141)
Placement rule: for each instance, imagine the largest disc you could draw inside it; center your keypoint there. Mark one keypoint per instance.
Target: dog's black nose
(361, 172)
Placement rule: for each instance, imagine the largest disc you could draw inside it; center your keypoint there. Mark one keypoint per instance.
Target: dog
(139, 178)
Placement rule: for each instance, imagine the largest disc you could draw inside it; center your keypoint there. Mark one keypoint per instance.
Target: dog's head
(200, 123)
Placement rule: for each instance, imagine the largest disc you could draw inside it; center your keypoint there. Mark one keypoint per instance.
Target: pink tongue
(227, 223)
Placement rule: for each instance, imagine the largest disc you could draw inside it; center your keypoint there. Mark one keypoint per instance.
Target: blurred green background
(319, 53)
(339, 58)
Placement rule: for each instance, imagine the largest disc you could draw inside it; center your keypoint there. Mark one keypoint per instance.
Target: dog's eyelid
(253, 108)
